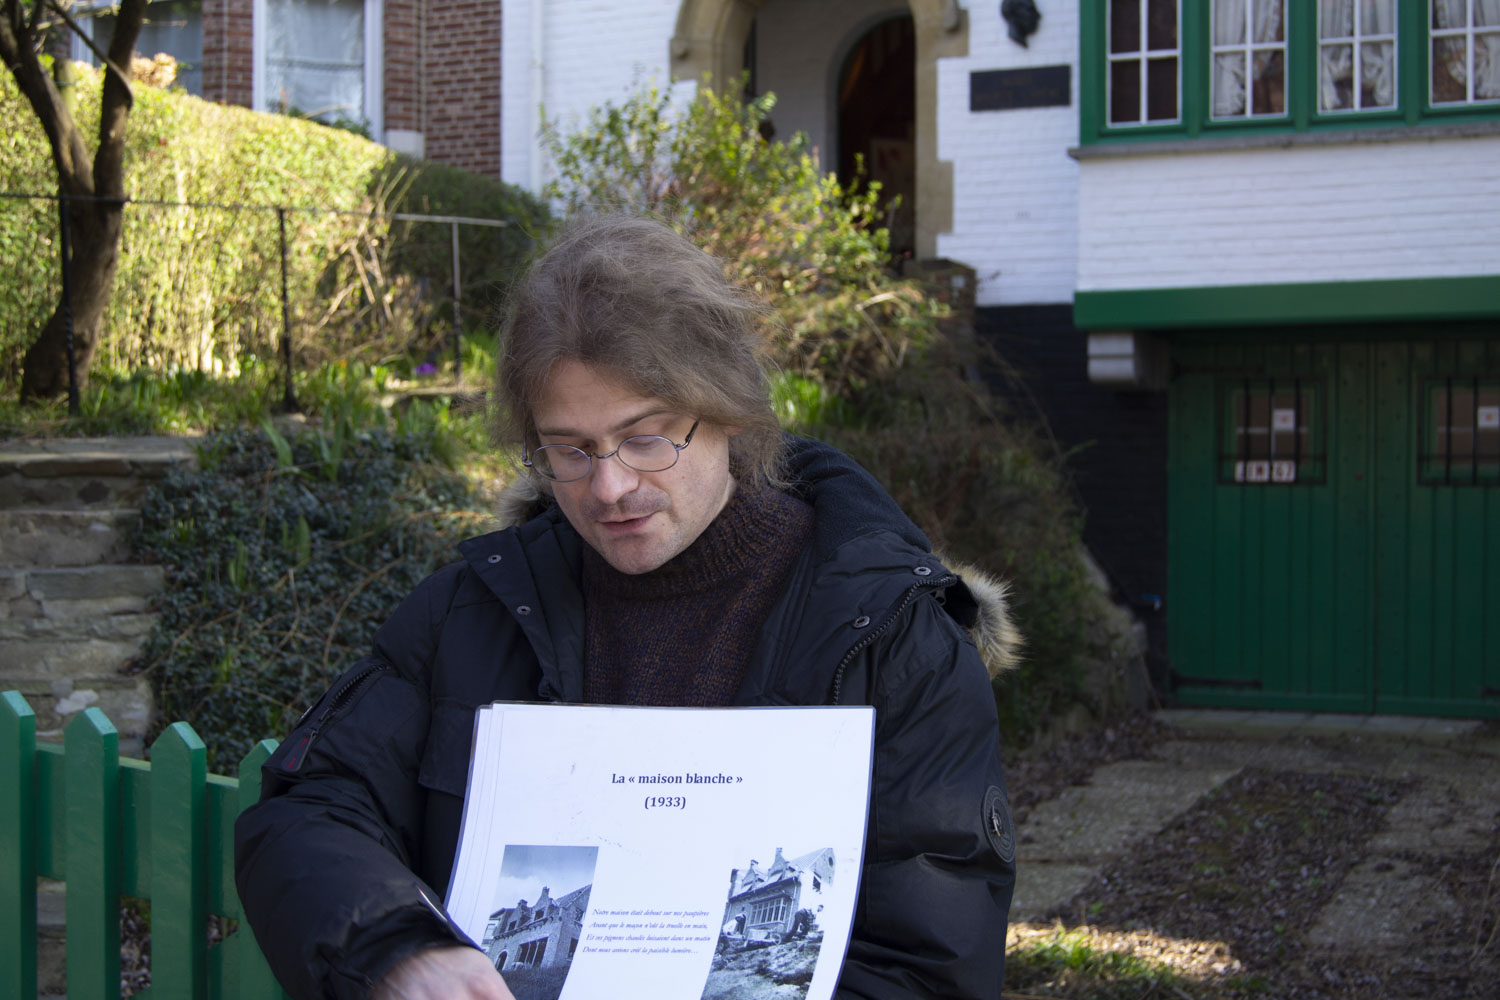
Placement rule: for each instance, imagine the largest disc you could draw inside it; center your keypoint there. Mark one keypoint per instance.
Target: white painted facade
(1035, 223)
(1359, 211)
(567, 57)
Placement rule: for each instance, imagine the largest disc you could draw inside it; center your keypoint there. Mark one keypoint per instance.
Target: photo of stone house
(536, 936)
(779, 902)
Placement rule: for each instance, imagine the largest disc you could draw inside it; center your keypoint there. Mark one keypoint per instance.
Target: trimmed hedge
(199, 287)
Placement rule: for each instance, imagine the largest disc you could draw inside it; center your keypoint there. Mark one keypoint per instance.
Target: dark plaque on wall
(1008, 89)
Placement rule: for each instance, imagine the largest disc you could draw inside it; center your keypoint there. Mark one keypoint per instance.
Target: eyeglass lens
(644, 453)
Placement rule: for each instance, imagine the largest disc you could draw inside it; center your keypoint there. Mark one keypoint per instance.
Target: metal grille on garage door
(1334, 524)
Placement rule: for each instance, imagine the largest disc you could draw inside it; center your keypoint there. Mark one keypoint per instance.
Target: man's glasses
(563, 463)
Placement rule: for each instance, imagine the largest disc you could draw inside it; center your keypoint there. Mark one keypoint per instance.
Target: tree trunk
(94, 240)
(94, 229)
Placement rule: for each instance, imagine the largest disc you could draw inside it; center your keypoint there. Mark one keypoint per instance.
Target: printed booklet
(678, 853)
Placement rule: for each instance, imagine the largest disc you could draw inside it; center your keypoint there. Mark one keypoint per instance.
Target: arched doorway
(708, 43)
(877, 123)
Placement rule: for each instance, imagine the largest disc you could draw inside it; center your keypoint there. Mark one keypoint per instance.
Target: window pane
(1377, 17)
(1487, 66)
(1161, 89)
(1125, 25)
(1161, 27)
(1449, 13)
(1229, 22)
(1270, 21)
(1269, 96)
(1449, 56)
(1335, 77)
(315, 57)
(1125, 91)
(1487, 14)
(1377, 75)
(1229, 84)
(1336, 19)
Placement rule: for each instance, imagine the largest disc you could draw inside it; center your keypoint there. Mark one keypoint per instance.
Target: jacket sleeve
(939, 863)
(324, 862)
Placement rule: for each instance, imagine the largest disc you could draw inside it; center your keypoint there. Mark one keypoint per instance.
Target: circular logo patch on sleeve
(997, 824)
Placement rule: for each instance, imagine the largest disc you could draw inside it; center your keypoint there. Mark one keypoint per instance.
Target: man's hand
(452, 973)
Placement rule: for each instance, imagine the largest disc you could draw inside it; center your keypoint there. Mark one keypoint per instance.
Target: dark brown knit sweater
(682, 634)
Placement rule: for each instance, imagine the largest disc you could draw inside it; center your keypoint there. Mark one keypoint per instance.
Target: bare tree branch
(88, 40)
(109, 161)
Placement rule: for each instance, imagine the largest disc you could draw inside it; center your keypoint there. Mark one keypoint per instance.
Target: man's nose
(612, 479)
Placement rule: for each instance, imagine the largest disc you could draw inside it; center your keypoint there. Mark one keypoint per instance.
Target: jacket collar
(849, 504)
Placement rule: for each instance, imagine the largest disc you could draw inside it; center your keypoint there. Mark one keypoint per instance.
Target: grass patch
(1073, 963)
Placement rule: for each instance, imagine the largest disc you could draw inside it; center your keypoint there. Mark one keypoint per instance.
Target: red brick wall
(442, 72)
(403, 64)
(228, 51)
(462, 74)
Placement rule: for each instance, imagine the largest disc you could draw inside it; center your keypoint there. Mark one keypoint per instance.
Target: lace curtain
(315, 57)
(1337, 87)
(1449, 55)
(1229, 83)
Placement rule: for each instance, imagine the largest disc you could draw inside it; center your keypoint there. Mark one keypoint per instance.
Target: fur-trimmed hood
(989, 621)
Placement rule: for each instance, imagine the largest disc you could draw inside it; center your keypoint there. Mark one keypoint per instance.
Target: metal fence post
(64, 224)
(288, 398)
(458, 323)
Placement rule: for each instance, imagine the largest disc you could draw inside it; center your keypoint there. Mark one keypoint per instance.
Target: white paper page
(683, 853)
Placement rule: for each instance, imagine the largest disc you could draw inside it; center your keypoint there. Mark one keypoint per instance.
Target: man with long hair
(666, 545)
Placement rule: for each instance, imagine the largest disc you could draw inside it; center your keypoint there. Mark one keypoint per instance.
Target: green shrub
(200, 287)
(282, 556)
(792, 234)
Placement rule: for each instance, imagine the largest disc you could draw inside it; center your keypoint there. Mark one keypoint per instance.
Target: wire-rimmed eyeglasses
(563, 463)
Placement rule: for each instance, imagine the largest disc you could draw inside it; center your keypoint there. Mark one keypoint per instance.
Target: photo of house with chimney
(778, 902)
(532, 943)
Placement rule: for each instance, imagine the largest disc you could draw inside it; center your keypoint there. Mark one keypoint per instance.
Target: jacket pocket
(450, 737)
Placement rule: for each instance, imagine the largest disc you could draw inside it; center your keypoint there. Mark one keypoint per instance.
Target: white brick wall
(593, 51)
(1365, 211)
(1015, 187)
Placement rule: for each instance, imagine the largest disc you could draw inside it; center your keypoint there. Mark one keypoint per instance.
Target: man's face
(636, 520)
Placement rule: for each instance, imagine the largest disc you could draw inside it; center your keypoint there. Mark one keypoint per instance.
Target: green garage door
(1335, 524)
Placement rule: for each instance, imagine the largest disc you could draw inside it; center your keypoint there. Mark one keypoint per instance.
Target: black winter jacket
(344, 862)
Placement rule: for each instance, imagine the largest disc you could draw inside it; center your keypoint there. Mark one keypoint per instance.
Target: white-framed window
(770, 911)
(322, 59)
(1465, 51)
(1249, 58)
(171, 26)
(1145, 62)
(1356, 55)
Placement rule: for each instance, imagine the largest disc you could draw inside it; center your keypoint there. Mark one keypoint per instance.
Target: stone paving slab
(1451, 806)
(42, 453)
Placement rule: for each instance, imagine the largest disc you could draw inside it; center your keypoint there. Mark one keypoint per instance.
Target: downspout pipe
(538, 91)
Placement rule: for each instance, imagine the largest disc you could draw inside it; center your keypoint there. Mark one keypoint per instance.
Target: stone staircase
(74, 611)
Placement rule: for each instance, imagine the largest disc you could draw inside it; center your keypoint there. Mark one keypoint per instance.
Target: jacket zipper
(338, 700)
(911, 594)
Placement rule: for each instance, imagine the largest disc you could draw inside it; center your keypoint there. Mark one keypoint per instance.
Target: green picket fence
(108, 826)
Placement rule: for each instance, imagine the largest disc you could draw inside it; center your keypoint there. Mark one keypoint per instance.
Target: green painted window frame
(1413, 88)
